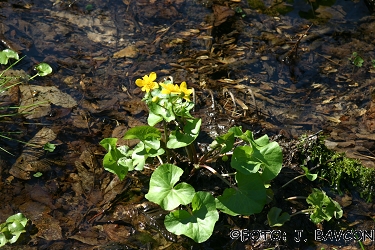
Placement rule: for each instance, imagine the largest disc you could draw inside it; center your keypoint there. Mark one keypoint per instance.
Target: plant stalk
(295, 178)
(304, 211)
(218, 175)
(296, 198)
(165, 139)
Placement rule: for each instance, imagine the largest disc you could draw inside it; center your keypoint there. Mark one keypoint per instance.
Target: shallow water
(301, 78)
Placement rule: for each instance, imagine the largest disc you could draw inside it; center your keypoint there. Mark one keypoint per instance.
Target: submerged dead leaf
(36, 100)
(30, 159)
(48, 227)
(40, 194)
(118, 233)
(221, 14)
(130, 51)
(89, 237)
(88, 168)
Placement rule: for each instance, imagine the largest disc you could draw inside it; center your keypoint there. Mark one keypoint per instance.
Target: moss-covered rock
(342, 172)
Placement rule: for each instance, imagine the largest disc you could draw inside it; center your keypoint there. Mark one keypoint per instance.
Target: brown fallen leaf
(221, 14)
(130, 51)
(36, 100)
(48, 227)
(118, 233)
(31, 158)
(40, 194)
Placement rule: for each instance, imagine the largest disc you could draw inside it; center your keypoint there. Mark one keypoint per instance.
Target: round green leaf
(243, 160)
(43, 69)
(200, 224)
(163, 109)
(6, 54)
(18, 217)
(150, 136)
(113, 162)
(163, 190)
(16, 227)
(49, 147)
(153, 119)
(249, 198)
(250, 159)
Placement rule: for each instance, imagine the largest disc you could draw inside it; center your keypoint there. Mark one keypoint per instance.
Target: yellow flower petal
(186, 91)
(169, 88)
(147, 82)
(139, 82)
(152, 76)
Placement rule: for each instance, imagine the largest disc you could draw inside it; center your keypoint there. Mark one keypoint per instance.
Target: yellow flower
(148, 82)
(169, 88)
(186, 91)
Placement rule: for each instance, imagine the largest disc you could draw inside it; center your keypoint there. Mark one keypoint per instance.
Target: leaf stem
(165, 138)
(218, 175)
(193, 152)
(304, 211)
(37, 74)
(295, 178)
(160, 160)
(295, 198)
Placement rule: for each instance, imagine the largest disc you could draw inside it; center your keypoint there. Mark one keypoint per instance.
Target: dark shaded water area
(283, 75)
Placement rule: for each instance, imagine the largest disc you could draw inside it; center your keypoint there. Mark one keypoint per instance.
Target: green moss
(342, 172)
(346, 172)
(257, 4)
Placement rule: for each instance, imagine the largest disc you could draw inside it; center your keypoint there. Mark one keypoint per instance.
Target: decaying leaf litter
(277, 75)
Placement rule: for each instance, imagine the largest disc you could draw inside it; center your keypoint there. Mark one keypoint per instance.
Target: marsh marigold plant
(254, 162)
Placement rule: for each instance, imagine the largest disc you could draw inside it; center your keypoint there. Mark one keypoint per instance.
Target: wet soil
(282, 75)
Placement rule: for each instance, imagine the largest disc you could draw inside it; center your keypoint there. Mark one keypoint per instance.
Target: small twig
(367, 156)
(253, 99)
(325, 57)
(212, 98)
(225, 90)
(157, 39)
(127, 8)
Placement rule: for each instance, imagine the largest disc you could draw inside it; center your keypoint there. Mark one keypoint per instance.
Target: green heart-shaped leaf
(163, 190)
(6, 54)
(249, 198)
(43, 69)
(198, 225)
